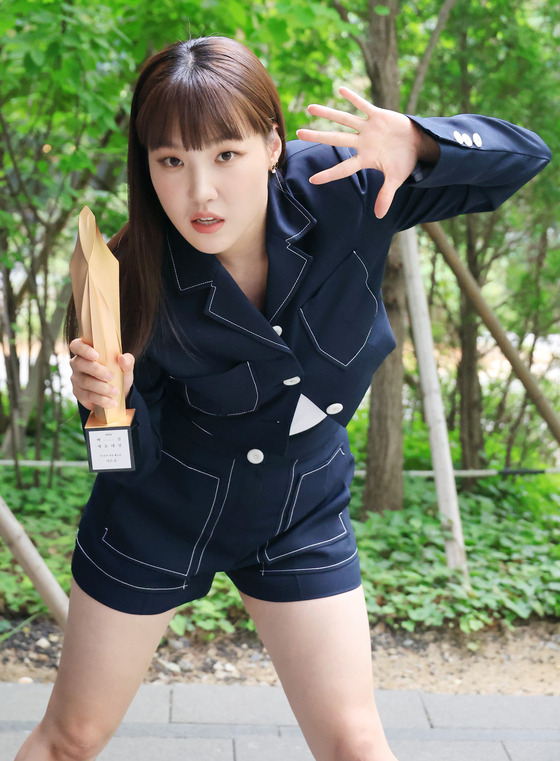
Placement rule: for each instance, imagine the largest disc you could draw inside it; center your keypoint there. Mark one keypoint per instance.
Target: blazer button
(277, 329)
(255, 456)
(477, 140)
(292, 381)
(334, 409)
(458, 137)
(467, 140)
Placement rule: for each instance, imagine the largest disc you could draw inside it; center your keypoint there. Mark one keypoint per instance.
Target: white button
(255, 456)
(477, 140)
(292, 381)
(467, 140)
(458, 137)
(277, 329)
(334, 409)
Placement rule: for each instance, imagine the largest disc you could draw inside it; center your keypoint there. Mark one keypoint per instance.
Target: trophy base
(109, 445)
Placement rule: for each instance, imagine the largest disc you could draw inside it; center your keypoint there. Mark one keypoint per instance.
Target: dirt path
(524, 662)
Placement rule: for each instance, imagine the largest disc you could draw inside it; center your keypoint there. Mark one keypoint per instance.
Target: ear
(274, 142)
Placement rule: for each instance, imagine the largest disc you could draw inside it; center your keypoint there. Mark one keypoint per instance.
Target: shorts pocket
(316, 533)
(166, 523)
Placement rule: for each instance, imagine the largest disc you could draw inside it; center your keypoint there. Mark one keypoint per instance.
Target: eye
(226, 156)
(170, 161)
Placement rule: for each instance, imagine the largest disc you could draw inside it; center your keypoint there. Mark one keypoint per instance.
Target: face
(217, 197)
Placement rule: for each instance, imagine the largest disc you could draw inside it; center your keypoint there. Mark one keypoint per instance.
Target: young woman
(252, 316)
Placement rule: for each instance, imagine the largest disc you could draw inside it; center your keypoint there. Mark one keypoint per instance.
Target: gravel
(524, 661)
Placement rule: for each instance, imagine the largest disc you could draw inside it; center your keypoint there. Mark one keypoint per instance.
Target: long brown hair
(210, 88)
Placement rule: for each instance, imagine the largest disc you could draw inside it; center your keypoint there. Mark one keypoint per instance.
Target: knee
(76, 741)
(358, 748)
(360, 741)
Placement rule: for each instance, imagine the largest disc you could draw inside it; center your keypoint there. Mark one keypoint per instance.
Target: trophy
(95, 284)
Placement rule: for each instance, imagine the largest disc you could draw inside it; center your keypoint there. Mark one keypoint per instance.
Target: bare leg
(321, 650)
(104, 658)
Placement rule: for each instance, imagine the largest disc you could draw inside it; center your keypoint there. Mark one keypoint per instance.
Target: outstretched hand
(384, 140)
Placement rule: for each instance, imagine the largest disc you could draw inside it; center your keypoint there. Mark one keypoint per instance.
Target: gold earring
(273, 168)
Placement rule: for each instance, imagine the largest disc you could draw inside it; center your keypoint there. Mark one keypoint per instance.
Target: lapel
(287, 221)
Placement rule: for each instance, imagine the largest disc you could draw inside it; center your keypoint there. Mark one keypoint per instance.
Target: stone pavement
(185, 722)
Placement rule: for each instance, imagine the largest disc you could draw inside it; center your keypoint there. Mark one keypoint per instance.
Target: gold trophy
(95, 284)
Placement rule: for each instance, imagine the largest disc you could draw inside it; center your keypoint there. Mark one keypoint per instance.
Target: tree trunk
(384, 460)
(470, 392)
(29, 395)
(383, 488)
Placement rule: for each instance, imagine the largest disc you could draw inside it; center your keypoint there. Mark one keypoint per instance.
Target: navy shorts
(279, 528)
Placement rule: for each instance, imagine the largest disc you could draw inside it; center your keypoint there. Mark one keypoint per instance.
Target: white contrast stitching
(287, 499)
(304, 475)
(309, 221)
(188, 288)
(318, 345)
(161, 568)
(227, 414)
(315, 568)
(295, 281)
(272, 558)
(231, 322)
(136, 560)
(217, 519)
(201, 428)
(211, 509)
(297, 208)
(115, 578)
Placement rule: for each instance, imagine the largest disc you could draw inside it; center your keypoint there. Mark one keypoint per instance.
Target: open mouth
(207, 224)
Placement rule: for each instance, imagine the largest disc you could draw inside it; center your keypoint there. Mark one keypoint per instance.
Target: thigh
(104, 658)
(321, 650)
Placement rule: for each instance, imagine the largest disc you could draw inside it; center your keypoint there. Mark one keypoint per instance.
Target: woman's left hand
(384, 140)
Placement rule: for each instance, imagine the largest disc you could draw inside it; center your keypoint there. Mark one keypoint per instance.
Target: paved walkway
(189, 722)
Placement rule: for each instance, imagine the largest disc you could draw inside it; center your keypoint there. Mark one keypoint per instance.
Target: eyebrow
(169, 147)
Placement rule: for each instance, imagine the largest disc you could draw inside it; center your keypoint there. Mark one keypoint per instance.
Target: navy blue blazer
(324, 329)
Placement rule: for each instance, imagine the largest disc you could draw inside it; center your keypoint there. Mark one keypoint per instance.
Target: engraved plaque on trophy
(95, 285)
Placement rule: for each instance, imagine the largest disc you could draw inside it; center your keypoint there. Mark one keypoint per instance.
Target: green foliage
(220, 611)
(50, 516)
(513, 557)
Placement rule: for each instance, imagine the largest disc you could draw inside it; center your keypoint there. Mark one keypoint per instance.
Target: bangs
(201, 110)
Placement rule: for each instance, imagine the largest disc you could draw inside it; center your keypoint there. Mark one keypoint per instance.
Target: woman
(251, 274)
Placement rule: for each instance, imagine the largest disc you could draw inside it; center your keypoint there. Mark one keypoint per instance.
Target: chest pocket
(339, 318)
(234, 392)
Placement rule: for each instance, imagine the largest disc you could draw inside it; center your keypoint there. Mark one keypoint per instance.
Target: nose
(201, 185)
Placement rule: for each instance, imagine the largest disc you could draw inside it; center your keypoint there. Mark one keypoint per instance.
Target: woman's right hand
(91, 381)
